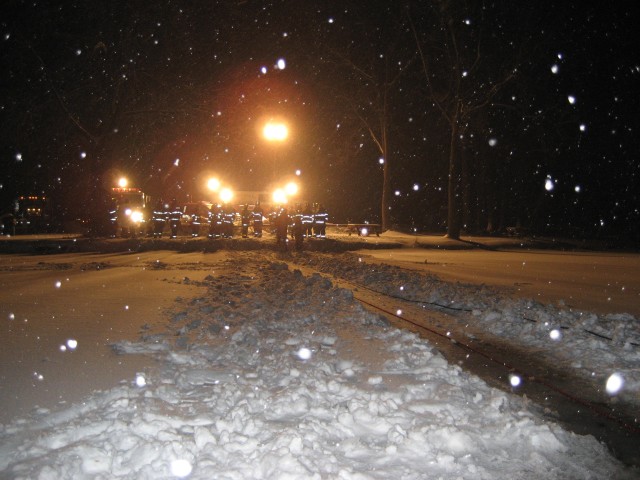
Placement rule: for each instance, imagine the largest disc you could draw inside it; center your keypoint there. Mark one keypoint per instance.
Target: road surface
(92, 299)
(596, 282)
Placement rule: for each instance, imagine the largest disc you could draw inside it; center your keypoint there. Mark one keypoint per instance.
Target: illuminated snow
(549, 185)
(274, 373)
(140, 380)
(304, 353)
(615, 382)
(555, 334)
(181, 468)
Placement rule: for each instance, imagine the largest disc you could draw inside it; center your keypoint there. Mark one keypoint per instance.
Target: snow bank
(594, 346)
(273, 374)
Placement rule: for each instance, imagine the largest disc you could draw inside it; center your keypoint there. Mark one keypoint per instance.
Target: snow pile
(273, 374)
(595, 346)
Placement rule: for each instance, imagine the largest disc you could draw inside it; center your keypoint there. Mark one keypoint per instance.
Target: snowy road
(242, 355)
(92, 299)
(598, 282)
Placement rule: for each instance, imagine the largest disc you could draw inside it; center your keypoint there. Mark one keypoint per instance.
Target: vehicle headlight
(136, 216)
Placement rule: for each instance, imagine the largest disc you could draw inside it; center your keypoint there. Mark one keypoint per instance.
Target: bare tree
(459, 82)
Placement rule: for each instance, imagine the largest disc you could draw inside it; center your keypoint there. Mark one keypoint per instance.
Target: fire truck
(128, 211)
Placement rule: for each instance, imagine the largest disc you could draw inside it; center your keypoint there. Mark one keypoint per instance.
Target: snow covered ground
(604, 349)
(271, 373)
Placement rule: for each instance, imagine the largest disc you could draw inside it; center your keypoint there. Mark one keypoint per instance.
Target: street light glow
(279, 196)
(213, 184)
(226, 195)
(122, 182)
(275, 132)
(291, 188)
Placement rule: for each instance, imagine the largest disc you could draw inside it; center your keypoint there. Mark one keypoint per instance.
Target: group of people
(300, 222)
(304, 222)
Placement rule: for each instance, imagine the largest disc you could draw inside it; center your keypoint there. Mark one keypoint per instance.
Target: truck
(128, 212)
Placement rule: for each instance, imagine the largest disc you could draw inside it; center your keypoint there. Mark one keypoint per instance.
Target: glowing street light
(291, 188)
(213, 184)
(275, 132)
(279, 196)
(123, 182)
(226, 195)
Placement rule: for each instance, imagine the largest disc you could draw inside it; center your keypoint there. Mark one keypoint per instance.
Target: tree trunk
(453, 214)
(385, 215)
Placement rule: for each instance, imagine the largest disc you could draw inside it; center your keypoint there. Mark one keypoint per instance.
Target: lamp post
(275, 132)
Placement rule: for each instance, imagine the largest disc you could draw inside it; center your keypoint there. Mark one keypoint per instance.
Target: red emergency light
(126, 190)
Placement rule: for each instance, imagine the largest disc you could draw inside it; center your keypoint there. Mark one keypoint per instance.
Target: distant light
(277, 132)
(226, 195)
(213, 184)
(572, 99)
(548, 184)
(614, 384)
(137, 216)
(281, 64)
(515, 380)
(555, 69)
(493, 142)
(279, 197)
(291, 188)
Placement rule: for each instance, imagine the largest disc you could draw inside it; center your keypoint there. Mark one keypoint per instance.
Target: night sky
(170, 92)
